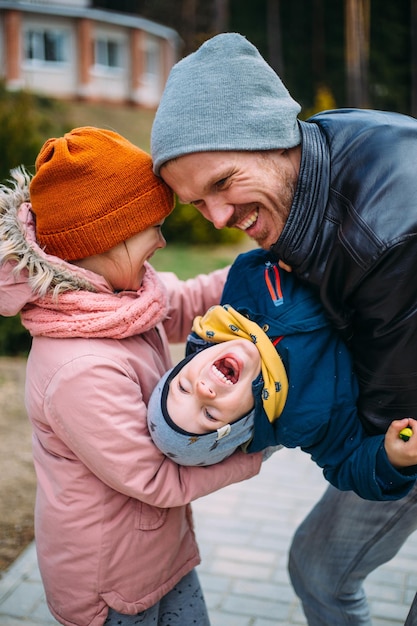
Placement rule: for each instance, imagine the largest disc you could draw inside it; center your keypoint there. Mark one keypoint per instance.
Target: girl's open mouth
(226, 370)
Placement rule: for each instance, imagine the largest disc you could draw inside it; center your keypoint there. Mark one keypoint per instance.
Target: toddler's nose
(205, 390)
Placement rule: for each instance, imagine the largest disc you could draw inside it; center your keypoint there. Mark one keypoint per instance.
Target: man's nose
(218, 213)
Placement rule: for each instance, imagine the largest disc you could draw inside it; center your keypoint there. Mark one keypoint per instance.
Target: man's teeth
(221, 376)
(251, 219)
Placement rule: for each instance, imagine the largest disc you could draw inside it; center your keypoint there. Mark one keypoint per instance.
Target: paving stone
(244, 533)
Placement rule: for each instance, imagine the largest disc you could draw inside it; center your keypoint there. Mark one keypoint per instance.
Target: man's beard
(280, 212)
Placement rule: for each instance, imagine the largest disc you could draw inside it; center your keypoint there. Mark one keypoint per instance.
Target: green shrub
(26, 121)
(15, 340)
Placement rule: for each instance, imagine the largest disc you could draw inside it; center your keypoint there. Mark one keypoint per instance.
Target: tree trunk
(189, 21)
(357, 24)
(221, 16)
(274, 36)
(413, 58)
(318, 41)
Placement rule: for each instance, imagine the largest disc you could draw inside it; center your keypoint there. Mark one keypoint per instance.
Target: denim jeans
(340, 542)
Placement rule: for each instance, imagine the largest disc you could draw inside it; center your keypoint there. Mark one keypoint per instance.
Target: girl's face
(123, 265)
(214, 388)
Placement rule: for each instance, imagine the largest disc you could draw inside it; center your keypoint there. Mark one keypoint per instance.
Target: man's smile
(248, 221)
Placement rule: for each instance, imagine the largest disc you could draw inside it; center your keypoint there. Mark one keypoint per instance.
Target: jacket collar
(18, 246)
(296, 243)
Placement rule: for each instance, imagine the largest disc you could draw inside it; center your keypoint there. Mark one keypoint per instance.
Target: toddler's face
(214, 388)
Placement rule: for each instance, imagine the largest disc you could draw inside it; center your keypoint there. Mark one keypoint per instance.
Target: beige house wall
(144, 56)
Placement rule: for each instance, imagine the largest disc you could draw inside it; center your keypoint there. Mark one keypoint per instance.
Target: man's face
(252, 191)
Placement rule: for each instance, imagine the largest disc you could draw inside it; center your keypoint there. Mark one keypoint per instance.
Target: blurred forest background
(330, 53)
(358, 52)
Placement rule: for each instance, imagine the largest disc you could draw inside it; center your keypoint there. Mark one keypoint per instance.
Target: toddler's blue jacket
(320, 415)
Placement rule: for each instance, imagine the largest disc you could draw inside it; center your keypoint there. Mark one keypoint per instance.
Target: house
(66, 49)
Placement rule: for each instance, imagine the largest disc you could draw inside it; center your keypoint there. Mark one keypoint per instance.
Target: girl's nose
(162, 241)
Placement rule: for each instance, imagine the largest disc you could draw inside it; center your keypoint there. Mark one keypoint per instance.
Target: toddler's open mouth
(227, 370)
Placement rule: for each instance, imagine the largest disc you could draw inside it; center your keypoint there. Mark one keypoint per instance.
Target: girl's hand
(284, 266)
(401, 453)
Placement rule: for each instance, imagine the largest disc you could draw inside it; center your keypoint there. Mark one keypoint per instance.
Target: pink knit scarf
(88, 314)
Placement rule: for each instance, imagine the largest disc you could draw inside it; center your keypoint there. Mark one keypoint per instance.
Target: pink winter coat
(113, 524)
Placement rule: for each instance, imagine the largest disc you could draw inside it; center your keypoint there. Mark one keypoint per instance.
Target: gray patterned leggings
(184, 605)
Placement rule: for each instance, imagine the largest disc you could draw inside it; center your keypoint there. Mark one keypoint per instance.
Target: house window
(108, 53)
(152, 56)
(45, 45)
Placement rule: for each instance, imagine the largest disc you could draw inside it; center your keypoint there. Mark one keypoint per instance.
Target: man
(335, 199)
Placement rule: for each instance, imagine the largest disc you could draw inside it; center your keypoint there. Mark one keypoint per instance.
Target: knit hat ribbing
(224, 96)
(92, 190)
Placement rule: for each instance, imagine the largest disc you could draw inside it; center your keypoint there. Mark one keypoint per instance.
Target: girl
(113, 526)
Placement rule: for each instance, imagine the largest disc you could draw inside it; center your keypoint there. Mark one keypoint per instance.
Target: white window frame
(108, 53)
(46, 45)
(152, 57)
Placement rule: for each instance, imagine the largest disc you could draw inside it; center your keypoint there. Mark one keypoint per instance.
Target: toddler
(275, 374)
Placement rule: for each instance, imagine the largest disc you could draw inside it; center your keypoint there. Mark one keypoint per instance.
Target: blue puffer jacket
(320, 414)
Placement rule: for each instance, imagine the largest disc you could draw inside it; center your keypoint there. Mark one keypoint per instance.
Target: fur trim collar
(45, 273)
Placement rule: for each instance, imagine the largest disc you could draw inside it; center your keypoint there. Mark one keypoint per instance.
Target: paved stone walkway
(244, 532)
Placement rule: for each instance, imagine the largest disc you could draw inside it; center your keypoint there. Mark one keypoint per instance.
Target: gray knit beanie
(187, 448)
(224, 96)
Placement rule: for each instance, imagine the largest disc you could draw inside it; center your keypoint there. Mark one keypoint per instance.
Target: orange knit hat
(92, 190)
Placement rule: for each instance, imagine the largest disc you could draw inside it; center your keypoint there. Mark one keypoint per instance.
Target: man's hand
(401, 453)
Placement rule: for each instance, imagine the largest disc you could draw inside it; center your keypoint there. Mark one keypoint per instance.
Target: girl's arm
(190, 298)
(96, 414)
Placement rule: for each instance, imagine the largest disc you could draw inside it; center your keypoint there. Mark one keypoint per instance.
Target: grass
(188, 261)
(133, 123)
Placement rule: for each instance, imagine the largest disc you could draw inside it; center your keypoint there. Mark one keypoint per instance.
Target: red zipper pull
(274, 285)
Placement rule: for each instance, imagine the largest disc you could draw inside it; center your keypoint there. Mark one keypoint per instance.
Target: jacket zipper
(273, 282)
(274, 285)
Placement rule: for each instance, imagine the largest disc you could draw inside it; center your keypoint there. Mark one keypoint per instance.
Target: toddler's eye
(183, 385)
(209, 415)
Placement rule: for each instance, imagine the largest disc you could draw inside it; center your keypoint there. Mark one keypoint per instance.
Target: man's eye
(221, 183)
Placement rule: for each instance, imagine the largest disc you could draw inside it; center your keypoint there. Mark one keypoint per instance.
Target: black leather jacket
(352, 232)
